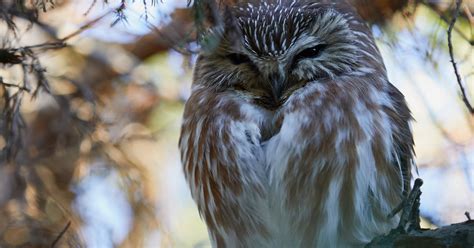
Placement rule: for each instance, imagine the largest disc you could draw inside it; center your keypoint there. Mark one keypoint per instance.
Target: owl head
(266, 49)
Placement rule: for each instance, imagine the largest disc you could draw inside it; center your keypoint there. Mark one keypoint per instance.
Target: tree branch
(20, 87)
(61, 234)
(409, 234)
(451, 54)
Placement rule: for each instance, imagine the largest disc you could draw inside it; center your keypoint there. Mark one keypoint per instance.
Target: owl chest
(295, 173)
(308, 140)
(321, 163)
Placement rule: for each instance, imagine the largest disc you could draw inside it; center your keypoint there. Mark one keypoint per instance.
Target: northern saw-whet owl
(293, 136)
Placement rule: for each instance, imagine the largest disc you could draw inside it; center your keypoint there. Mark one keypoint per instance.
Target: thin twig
(62, 42)
(90, 7)
(16, 86)
(451, 54)
(397, 209)
(85, 26)
(447, 21)
(468, 215)
(61, 234)
(20, 87)
(410, 214)
(468, 13)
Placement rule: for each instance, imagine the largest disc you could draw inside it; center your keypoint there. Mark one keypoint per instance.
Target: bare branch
(61, 234)
(20, 87)
(62, 42)
(409, 234)
(451, 54)
(446, 20)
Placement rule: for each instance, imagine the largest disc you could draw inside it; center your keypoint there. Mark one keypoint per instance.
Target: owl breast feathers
(293, 136)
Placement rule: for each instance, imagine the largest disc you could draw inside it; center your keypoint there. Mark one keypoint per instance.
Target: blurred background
(92, 94)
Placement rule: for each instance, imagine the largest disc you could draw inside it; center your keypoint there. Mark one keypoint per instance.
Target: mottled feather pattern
(336, 143)
(221, 152)
(320, 163)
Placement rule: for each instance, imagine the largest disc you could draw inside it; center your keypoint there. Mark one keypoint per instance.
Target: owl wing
(223, 164)
(400, 115)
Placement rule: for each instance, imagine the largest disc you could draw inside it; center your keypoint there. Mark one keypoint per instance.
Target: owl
(293, 136)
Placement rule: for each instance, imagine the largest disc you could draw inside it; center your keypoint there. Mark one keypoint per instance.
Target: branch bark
(455, 235)
(409, 234)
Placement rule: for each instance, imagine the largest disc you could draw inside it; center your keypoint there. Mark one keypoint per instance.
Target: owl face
(267, 50)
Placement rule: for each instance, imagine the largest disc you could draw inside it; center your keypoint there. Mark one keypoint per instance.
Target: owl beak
(277, 84)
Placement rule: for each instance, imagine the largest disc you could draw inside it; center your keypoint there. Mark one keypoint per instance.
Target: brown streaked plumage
(293, 136)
